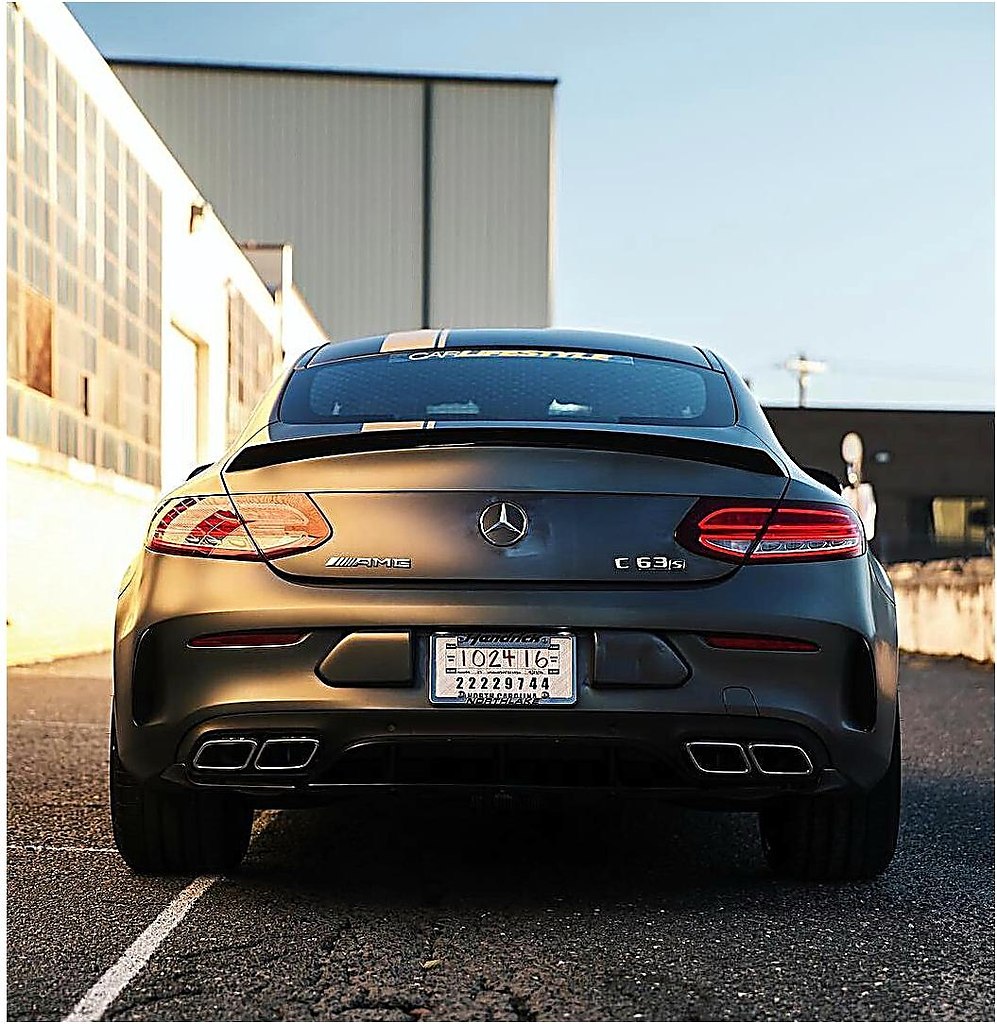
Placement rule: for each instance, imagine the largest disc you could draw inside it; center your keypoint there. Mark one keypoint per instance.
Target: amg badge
(367, 562)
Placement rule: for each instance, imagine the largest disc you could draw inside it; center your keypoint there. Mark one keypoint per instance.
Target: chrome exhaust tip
(717, 758)
(287, 754)
(780, 759)
(225, 755)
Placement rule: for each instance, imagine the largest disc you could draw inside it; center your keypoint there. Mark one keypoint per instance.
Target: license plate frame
(519, 695)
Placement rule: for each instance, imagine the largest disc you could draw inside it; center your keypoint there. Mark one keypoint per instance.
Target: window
(66, 242)
(38, 343)
(12, 203)
(109, 452)
(531, 385)
(961, 521)
(252, 361)
(36, 161)
(65, 91)
(11, 133)
(67, 443)
(66, 190)
(37, 266)
(65, 140)
(36, 420)
(11, 47)
(111, 241)
(111, 321)
(13, 246)
(15, 332)
(14, 428)
(35, 106)
(67, 289)
(35, 54)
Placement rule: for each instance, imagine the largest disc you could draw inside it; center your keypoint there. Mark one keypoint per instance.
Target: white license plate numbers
(514, 670)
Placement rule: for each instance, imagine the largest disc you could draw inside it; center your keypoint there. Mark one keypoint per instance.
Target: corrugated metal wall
(490, 225)
(334, 164)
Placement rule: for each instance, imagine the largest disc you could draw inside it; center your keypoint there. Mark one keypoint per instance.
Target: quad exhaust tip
(236, 754)
(225, 755)
(780, 759)
(728, 758)
(716, 758)
(287, 754)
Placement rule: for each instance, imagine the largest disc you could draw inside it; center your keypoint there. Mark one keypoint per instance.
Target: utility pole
(803, 368)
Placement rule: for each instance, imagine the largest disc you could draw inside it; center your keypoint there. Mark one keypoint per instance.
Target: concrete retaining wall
(946, 608)
(70, 538)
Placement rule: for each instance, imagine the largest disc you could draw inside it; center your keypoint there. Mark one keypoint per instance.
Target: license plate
(494, 670)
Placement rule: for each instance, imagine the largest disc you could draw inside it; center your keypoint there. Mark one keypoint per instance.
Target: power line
(895, 371)
(803, 368)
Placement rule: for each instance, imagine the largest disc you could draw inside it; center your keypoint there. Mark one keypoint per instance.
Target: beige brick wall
(69, 541)
(946, 607)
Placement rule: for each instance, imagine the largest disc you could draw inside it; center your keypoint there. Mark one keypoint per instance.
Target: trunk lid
(445, 505)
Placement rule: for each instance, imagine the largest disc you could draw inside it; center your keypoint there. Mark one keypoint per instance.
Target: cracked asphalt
(408, 910)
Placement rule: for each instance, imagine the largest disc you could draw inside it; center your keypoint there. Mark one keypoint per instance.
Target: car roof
(516, 337)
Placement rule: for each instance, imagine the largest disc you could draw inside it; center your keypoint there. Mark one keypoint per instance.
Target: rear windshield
(504, 385)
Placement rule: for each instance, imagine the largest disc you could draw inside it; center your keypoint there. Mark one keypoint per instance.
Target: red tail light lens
(831, 531)
(758, 531)
(209, 526)
(282, 524)
(731, 532)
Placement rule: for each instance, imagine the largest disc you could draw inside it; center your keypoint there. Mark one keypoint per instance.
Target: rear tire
(840, 837)
(175, 831)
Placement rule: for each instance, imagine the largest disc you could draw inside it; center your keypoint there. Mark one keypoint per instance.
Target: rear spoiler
(274, 453)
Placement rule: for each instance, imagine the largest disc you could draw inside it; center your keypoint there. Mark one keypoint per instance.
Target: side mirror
(200, 469)
(825, 477)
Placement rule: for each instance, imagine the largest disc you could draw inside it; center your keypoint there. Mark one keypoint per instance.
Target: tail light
(759, 531)
(259, 525)
(282, 524)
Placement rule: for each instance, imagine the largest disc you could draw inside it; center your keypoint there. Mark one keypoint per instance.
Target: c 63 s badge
(367, 562)
(648, 563)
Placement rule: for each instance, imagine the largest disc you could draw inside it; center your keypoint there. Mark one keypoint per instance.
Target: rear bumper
(480, 750)
(630, 737)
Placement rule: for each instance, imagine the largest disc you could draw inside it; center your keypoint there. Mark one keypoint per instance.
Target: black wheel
(839, 837)
(165, 831)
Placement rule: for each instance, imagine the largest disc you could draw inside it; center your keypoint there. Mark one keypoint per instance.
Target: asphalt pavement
(416, 910)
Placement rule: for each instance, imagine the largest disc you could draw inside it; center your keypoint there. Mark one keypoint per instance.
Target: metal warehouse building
(410, 201)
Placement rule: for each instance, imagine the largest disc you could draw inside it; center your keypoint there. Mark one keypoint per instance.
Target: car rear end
(559, 576)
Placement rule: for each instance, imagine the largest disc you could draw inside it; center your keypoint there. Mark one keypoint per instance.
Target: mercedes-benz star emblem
(503, 524)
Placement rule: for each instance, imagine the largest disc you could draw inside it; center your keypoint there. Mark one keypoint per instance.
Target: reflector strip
(260, 638)
(747, 642)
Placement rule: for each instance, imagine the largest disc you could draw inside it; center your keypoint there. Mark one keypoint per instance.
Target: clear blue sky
(762, 178)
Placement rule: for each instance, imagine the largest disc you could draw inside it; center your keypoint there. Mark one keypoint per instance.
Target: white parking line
(39, 848)
(102, 726)
(136, 956)
(115, 979)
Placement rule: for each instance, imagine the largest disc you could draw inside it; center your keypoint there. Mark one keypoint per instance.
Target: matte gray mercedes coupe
(505, 560)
